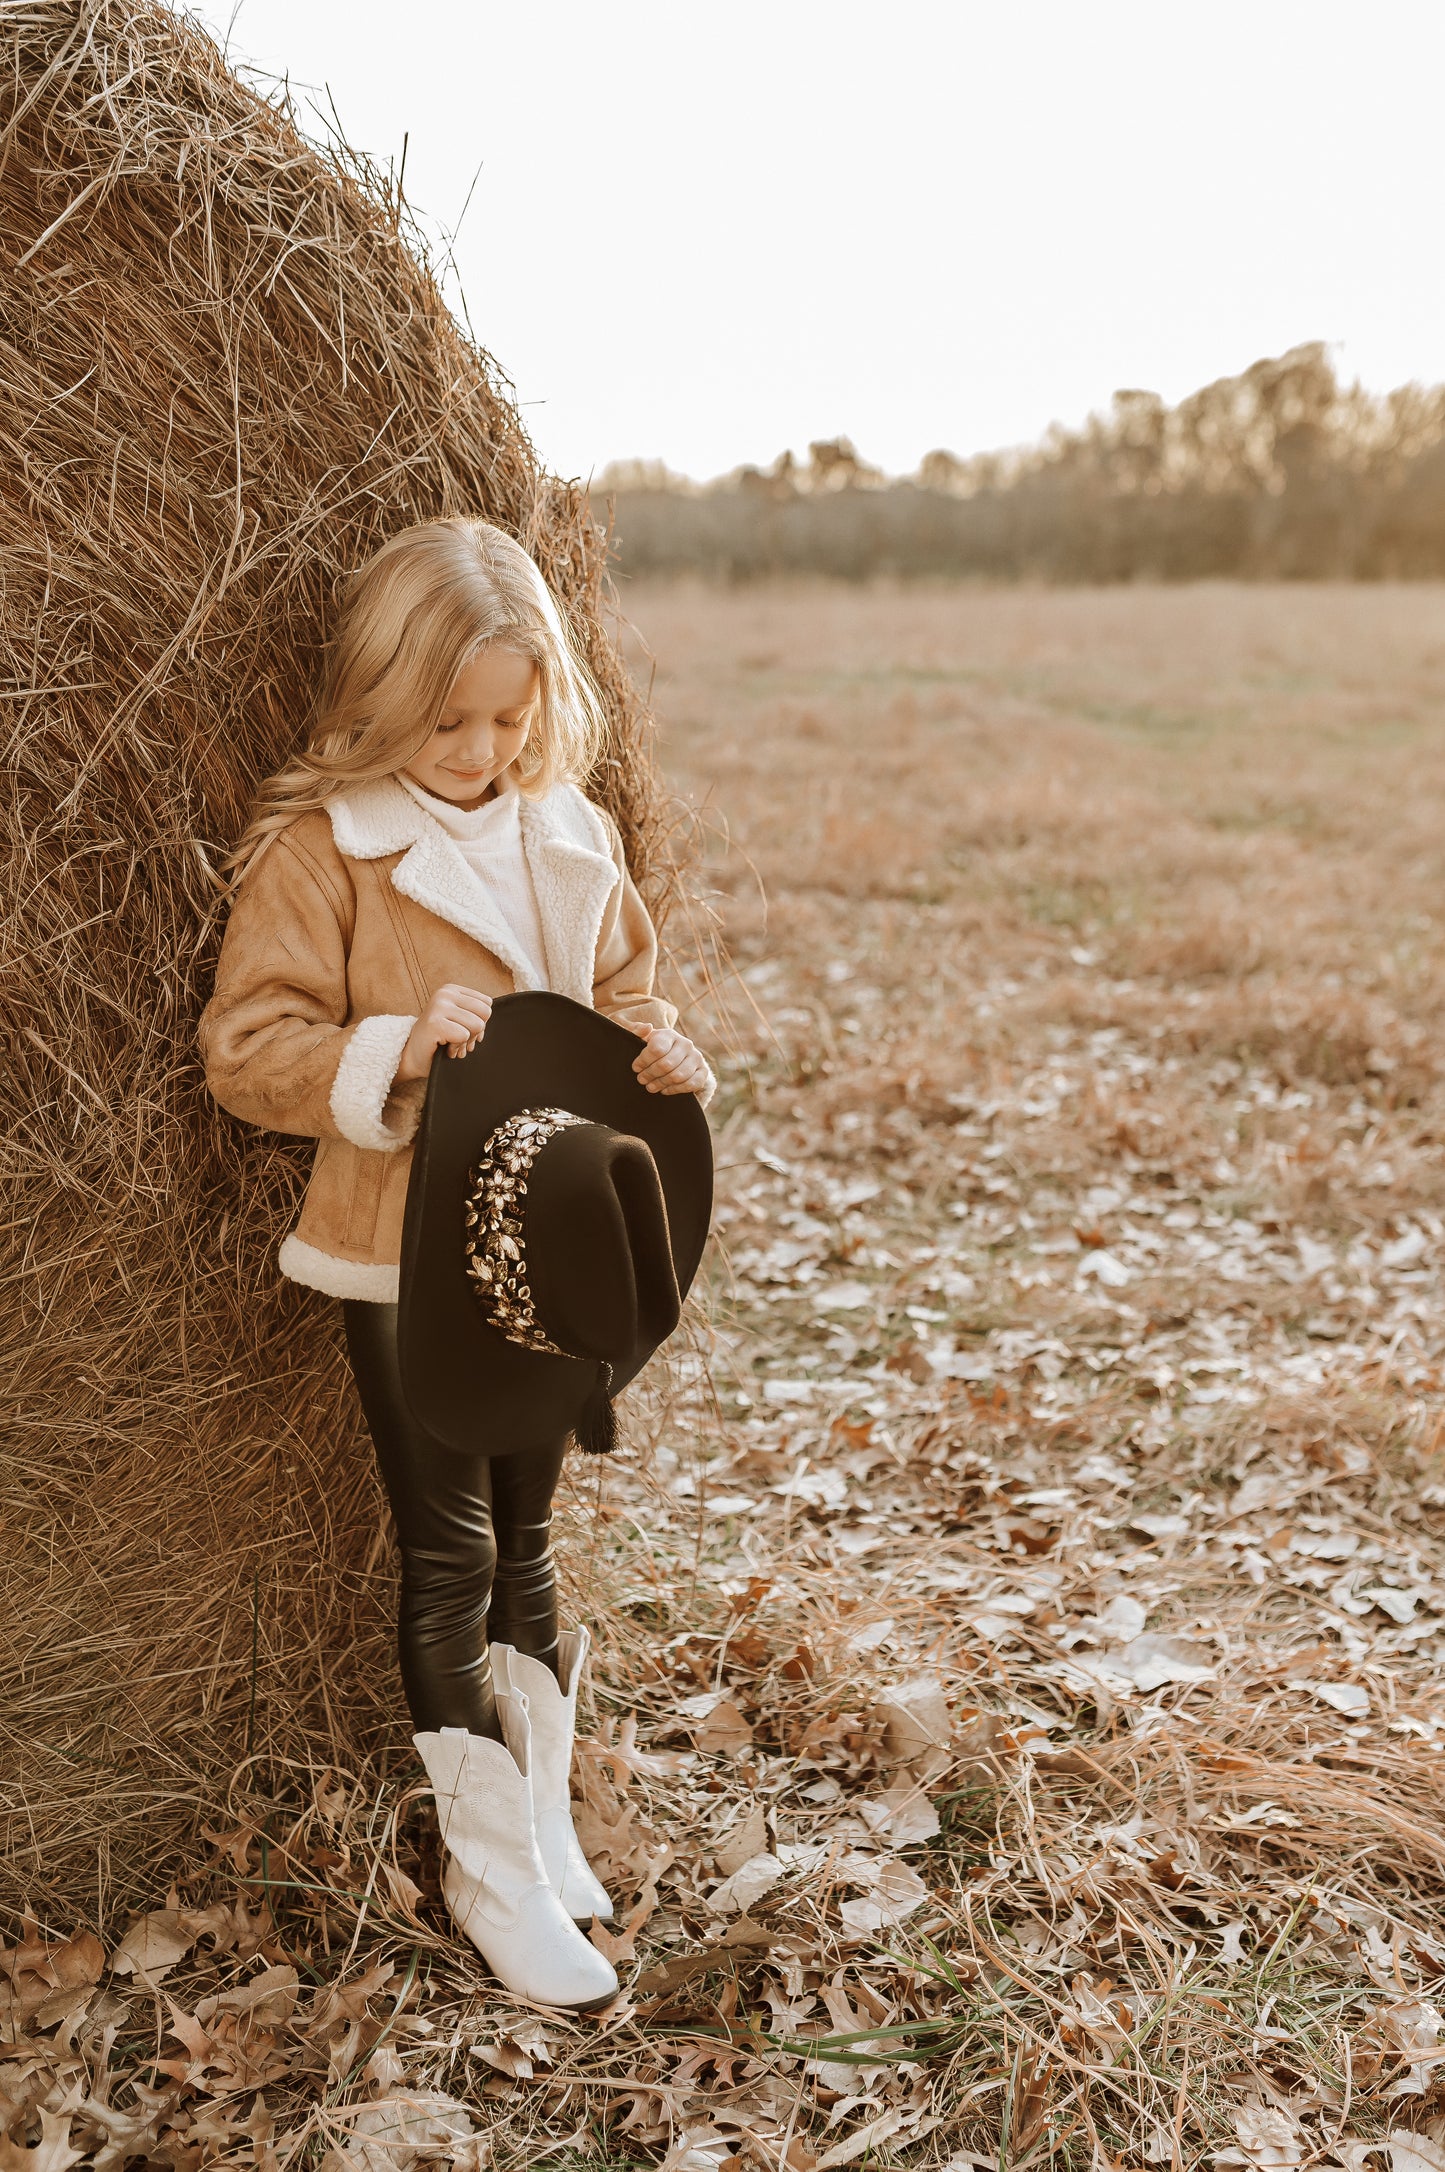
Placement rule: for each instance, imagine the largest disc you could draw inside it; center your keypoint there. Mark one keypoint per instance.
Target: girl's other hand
(671, 1063)
(455, 1019)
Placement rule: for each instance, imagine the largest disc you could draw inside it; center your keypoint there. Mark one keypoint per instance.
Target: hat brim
(465, 1382)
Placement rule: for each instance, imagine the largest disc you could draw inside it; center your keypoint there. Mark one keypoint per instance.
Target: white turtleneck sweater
(489, 839)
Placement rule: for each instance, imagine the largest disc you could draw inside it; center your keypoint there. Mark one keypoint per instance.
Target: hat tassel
(597, 1426)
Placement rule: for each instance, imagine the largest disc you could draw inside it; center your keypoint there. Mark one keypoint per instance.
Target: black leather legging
(474, 1530)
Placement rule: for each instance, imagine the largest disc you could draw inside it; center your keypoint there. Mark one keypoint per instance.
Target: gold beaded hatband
(495, 1242)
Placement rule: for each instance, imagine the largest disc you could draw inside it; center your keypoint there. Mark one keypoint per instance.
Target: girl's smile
(482, 729)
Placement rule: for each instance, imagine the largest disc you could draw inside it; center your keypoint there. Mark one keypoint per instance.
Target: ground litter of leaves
(1016, 1736)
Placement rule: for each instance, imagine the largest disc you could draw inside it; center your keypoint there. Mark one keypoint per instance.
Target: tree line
(1279, 473)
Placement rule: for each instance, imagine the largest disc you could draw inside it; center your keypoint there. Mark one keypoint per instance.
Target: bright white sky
(702, 233)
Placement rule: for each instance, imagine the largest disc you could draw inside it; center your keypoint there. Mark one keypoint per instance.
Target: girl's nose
(480, 747)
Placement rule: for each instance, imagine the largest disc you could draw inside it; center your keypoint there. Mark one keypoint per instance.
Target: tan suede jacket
(337, 939)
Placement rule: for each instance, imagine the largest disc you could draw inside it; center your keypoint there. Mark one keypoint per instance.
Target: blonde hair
(411, 618)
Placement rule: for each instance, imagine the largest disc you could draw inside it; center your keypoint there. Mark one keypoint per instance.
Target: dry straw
(229, 374)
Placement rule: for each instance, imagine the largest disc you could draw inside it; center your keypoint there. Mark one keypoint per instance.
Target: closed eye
(503, 723)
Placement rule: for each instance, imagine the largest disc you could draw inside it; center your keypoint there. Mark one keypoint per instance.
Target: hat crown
(567, 1239)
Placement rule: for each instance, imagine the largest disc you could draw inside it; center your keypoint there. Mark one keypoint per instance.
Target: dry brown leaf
(404, 1891)
(1269, 2137)
(918, 1727)
(621, 1945)
(59, 1964)
(746, 1839)
(747, 1885)
(268, 1998)
(716, 1724)
(902, 1814)
(154, 1944)
(338, 2005)
(410, 2128)
(520, 2050)
(54, 2151)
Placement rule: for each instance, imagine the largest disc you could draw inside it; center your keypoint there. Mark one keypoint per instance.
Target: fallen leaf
(1347, 1697)
(384, 2071)
(917, 1731)
(716, 1723)
(748, 1883)
(78, 1960)
(1410, 2152)
(1103, 1266)
(1231, 1943)
(862, 2141)
(269, 1998)
(52, 2153)
(1259, 1814)
(1399, 1605)
(1414, 2153)
(519, 2050)
(747, 1839)
(1159, 1527)
(1122, 1619)
(894, 1893)
(841, 1297)
(404, 1891)
(1269, 2136)
(1411, 2025)
(339, 2004)
(1152, 1660)
(154, 1944)
(399, 2131)
(621, 1944)
(61, 2005)
(903, 1814)
(789, 1391)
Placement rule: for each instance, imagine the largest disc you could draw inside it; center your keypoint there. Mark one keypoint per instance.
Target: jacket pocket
(340, 1212)
(368, 1169)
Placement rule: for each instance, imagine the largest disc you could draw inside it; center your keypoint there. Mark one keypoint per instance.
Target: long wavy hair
(411, 618)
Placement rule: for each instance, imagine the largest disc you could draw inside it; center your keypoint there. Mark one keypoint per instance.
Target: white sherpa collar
(374, 819)
(568, 854)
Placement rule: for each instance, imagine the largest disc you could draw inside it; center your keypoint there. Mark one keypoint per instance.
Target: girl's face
(483, 728)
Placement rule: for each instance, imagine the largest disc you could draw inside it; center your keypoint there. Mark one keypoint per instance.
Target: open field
(1019, 1739)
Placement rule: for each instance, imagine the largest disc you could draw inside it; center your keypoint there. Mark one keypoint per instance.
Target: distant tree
(944, 472)
(834, 465)
(633, 475)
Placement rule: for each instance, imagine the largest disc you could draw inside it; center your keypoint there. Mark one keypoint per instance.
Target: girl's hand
(670, 1063)
(455, 1019)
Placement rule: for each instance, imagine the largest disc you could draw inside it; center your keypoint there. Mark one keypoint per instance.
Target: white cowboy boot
(493, 1877)
(552, 1707)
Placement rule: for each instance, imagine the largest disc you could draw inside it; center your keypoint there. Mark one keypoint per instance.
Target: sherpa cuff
(364, 1079)
(302, 1262)
(705, 1093)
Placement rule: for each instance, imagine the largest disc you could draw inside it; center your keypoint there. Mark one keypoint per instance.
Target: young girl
(429, 851)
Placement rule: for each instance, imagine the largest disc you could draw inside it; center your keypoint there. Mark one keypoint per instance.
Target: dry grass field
(1017, 1737)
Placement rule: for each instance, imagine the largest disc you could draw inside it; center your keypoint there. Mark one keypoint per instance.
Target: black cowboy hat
(556, 1212)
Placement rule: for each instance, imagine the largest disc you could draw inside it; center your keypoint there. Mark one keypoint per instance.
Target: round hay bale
(229, 374)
